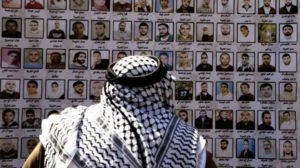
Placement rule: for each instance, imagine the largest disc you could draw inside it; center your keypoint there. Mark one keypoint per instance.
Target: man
(183, 92)
(30, 145)
(266, 91)
(245, 93)
(122, 6)
(266, 152)
(56, 33)
(164, 34)
(13, 59)
(204, 95)
(8, 118)
(98, 62)
(184, 33)
(266, 121)
(288, 94)
(78, 31)
(266, 64)
(205, 7)
(205, 35)
(31, 121)
(267, 33)
(246, 152)
(78, 5)
(288, 8)
(9, 91)
(100, 31)
(34, 59)
(11, 29)
(183, 115)
(245, 122)
(245, 36)
(32, 89)
(33, 4)
(142, 6)
(287, 150)
(225, 33)
(247, 7)
(287, 123)
(183, 61)
(96, 90)
(13, 4)
(143, 30)
(55, 61)
(55, 91)
(121, 55)
(122, 34)
(120, 120)
(224, 121)
(79, 61)
(223, 150)
(34, 31)
(267, 8)
(164, 58)
(78, 90)
(224, 93)
(8, 150)
(224, 63)
(203, 121)
(164, 7)
(288, 36)
(204, 65)
(225, 7)
(246, 66)
(185, 7)
(287, 63)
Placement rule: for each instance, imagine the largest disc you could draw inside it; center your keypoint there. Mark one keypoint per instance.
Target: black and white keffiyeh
(133, 126)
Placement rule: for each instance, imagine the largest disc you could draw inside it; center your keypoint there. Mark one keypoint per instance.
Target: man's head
(224, 114)
(97, 88)
(224, 59)
(8, 116)
(267, 145)
(266, 118)
(99, 28)
(164, 4)
(266, 59)
(78, 87)
(244, 88)
(224, 144)
(266, 90)
(204, 87)
(287, 30)
(183, 57)
(203, 113)
(34, 25)
(163, 57)
(245, 116)
(7, 145)
(122, 26)
(56, 25)
(33, 56)
(267, 3)
(185, 29)
(288, 3)
(11, 26)
(245, 59)
(224, 87)
(31, 143)
(183, 114)
(13, 57)
(78, 28)
(79, 58)
(204, 58)
(224, 2)
(121, 55)
(288, 148)
(286, 59)
(97, 56)
(246, 2)
(55, 58)
(185, 3)
(54, 86)
(244, 30)
(246, 144)
(30, 115)
(225, 29)
(32, 87)
(163, 29)
(286, 116)
(288, 87)
(10, 86)
(79, 2)
(143, 28)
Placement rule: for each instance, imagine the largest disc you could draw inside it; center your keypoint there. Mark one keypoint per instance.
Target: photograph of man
(164, 32)
(225, 32)
(205, 32)
(34, 4)
(224, 148)
(203, 119)
(96, 89)
(77, 89)
(267, 62)
(185, 6)
(246, 33)
(34, 28)
(33, 58)
(32, 89)
(183, 90)
(287, 120)
(79, 5)
(28, 144)
(288, 91)
(267, 120)
(12, 4)
(205, 91)
(224, 90)
(117, 54)
(11, 28)
(287, 33)
(288, 7)
(287, 149)
(185, 32)
(266, 91)
(11, 58)
(57, 29)
(122, 6)
(267, 7)
(165, 6)
(31, 119)
(57, 4)
(79, 60)
(122, 32)
(184, 60)
(56, 59)
(225, 6)
(99, 60)
(143, 6)
(205, 61)
(288, 62)
(205, 6)
(9, 148)
(267, 148)
(246, 6)
(55, 89)
(166, 57)
(245, 120)
(246, 92)
(100, 30)
(224, 63)
(100, 5)
(267, 33)
(10, 89)
(144, 32)
(79, 31)
(185, 115)
(245, 148)
(10, 119)
(224, 119)
(245, 62)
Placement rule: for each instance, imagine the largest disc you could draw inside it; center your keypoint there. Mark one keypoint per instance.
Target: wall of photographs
(236, 63)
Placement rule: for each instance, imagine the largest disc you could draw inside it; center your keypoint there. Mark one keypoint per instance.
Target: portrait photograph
(224, 147)
(34, 28)
(245, 61)
(11, 27)
(122, 5)
(287, 148)
(100, 30)
(245, 91)
(11, 58)
(10, 89)
(100, 5)
(266, 91)
(55, 59)
(225, 6)
(166, 57)
(205, 6)
(287, 62)
(205, 32)
(77, 89)
(288, 7)
(224, 90)
(245, 119)
(57, 29)
(164, 6)
(9, 148)
(267, 32)
(33, 58)
(246, 6)
(143, 31)
(56, 4)
(287, 120)
(51, 111)
(78, 59)
(31, 118)
(224, 119)
(9, 118)
(266, 148)
(266, 62)
(185, 6)
(204, 61)
(204, 90)
(100, 59)
(34, 4)
(32, 88)
(184, 90)
(225, 61)
(266, 7)
(246, 33)
(12, 4)
(288, 32)
(164, 31)
(27, 145)
(203, 119)
(80, 5)
(96, 89)
(79, 29)
(143, 5)
(288, 91)
(55, 89)
(122, 30)
(142, 52)
(185, 32)
(266, 120)
(119, 54)
(186, 115)
(184, 60)
(245, 148)
(225, 32)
